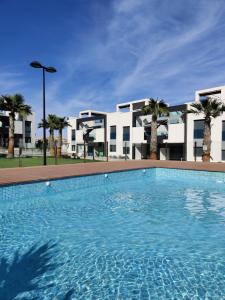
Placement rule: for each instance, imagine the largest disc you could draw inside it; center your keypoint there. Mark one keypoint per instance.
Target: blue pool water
(153, 234)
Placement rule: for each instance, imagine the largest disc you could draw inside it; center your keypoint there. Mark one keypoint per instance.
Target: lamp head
(36, 64)
(50, 69)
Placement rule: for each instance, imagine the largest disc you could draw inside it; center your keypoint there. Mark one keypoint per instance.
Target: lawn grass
(37, 161)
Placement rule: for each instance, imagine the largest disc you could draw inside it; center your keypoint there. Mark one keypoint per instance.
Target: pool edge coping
(31, 181)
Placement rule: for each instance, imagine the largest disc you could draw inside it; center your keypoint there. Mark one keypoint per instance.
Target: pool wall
(19, 191)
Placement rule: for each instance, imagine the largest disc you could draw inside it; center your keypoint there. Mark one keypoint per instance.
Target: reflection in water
(21, 276)
(217, 204)
(200, 202)
(194, 201)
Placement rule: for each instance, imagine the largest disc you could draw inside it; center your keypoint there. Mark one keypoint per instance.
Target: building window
(198, 151)
(73, 148)
(198, 129)
(126, 150)
(73, 135)
(223, 131)
(27, 132)
(99, 121)
(175, 117)
(203, 97)
(27, 139)
(146, 136)
(112, 148)
(126, 133)
(223, 154)
(112, 132)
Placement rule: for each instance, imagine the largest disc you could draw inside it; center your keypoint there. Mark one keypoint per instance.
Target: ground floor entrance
(141, 151)
(172, 151)
(165, 151)
(91, 150)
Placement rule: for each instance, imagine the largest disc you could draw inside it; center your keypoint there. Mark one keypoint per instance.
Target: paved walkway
(20, 175)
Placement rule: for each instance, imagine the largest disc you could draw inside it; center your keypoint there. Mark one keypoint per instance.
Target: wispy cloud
(142, 47)
(10, 81)
(130, 49)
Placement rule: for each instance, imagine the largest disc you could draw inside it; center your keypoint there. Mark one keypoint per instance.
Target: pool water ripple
(134, 235)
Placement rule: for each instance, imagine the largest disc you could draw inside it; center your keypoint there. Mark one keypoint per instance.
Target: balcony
(162, 134)
(175, 133)
(138, 135)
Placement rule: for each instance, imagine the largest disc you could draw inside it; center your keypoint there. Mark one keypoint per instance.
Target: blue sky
(110, 51)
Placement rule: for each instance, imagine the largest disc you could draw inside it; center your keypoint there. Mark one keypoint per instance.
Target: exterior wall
(190, 136)
(216, 130)
(175, 133)
(120, 119)
(180, 132)
(216, 136)
(20, 129)
(72, 121)
(138, 135)
(97, 134)
(30, 118)
(163, 153)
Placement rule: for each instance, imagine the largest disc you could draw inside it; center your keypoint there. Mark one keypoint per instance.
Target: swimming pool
(143, 234)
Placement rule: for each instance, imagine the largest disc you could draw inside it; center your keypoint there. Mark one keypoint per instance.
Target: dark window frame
(73, 135)
(126, 150)
(113, 133)
(199, 151)
(199, 132)
(223, 156)
(111, 148)
(223, 130)
(126, 135)
(27, 139)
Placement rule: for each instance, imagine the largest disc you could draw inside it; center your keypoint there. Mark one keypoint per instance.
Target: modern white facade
(24, 131)
(194, 129)
(126, 132)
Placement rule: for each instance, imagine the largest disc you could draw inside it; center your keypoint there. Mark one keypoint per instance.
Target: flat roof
(125, 104)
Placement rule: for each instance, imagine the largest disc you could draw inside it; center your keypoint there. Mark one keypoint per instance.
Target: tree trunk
(11, 137)
(59, 149)
(51, 142)
(207, 141)
(153, 141)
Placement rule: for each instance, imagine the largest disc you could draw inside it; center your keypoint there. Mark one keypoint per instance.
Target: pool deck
(29, 174)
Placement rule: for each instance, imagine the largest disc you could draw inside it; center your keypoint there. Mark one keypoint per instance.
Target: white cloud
(9, 81)
(142, 44)
(143, 48)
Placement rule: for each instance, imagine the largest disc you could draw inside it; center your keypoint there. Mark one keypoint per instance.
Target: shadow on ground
(22, 273)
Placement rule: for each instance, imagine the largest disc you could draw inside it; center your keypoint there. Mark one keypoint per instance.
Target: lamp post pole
(44, 123)
(36, 64)
(1, 137)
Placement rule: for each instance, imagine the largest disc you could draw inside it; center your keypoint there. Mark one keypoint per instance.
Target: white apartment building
(24, 131)
(126, 132)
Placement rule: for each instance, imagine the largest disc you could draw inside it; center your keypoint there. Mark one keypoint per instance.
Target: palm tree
(210, 108)
(14, 104)
(156, 108)
(61, 124)
(51, 124)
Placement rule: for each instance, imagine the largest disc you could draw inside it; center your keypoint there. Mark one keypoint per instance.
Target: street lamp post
(36, 64)
(1, 137)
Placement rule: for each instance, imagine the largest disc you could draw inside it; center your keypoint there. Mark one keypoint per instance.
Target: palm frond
(155, 108)
(15, 104)
(210, 107)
